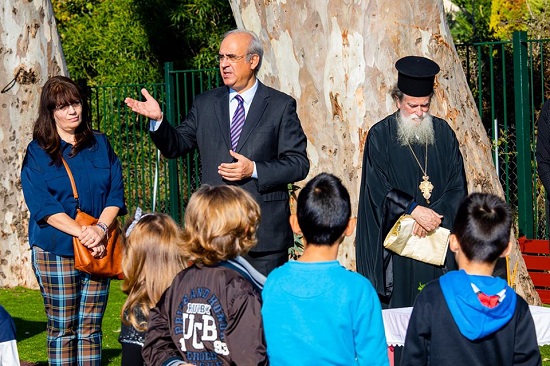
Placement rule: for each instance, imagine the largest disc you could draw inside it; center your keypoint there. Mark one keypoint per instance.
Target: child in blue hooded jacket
(468, 317)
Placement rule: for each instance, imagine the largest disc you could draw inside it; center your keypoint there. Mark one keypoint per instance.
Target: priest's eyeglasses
(230, 57)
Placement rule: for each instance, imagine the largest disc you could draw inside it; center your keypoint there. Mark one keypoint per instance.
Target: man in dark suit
(261, 156)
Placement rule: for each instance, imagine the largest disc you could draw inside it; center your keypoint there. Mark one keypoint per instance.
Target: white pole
(495, 143)
(155, 188)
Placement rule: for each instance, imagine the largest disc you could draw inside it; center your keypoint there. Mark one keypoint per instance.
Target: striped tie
(237, 123)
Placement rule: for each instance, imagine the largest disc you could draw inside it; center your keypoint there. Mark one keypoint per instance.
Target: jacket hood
(475, 320)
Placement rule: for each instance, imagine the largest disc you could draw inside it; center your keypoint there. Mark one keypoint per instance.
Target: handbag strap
(73, 185)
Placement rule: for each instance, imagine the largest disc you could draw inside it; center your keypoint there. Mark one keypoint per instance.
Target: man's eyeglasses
(65, 108)
(230, 57)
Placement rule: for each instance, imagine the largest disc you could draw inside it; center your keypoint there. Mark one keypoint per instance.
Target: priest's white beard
(415, 130)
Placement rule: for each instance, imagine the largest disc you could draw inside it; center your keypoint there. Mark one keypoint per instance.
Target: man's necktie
(237, 122)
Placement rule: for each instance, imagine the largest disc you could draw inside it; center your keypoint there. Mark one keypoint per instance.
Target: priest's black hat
(416, 75)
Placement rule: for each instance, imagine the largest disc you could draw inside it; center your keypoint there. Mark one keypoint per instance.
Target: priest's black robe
(390, 179)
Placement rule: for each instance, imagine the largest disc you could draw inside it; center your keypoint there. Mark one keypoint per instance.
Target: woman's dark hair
(61, 91)
(482, 226)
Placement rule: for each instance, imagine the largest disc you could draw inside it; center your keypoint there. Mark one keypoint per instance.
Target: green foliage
(471, 22)
(108, 42)
(203, 22)
(537, 7)
(539, 18)
(67, 11)
(105, 43)
(297, 249)
(493, 20)
(507, 16)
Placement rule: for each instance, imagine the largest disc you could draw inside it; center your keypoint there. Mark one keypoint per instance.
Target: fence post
(170, 112)
(523, 134)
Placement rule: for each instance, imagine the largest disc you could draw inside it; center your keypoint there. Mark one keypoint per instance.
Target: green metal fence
(508, 80)
(181, 88)
(146, 173)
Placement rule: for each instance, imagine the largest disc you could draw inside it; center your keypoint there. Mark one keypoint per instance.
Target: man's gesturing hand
(150, 108)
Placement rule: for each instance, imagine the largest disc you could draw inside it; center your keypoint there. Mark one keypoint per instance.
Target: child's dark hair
(324, 209)
(482, 227)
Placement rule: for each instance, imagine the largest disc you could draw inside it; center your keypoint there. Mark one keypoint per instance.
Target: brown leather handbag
(111, 264)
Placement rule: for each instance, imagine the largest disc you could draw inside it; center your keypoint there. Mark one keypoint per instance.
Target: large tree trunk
(31, 51)
(336, 57)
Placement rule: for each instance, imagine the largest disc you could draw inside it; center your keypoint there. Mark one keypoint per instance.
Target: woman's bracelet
(103, 226)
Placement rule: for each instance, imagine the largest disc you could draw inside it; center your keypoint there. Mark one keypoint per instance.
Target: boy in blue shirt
(316, 312)
(468, 317)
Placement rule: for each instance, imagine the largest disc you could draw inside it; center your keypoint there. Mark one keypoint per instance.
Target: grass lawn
(27, 310)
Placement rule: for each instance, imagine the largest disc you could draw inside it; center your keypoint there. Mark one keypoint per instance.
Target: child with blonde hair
(211, 312)
(153, 256)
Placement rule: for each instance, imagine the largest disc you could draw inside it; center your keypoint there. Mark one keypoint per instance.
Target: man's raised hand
(150, 108)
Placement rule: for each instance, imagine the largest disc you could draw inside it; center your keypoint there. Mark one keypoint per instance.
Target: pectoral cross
(426, 188)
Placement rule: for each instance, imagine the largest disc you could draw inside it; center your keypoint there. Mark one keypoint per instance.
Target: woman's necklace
(425, 186)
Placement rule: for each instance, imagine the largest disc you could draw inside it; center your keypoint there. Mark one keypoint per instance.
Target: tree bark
(336, 57)
(31, 52)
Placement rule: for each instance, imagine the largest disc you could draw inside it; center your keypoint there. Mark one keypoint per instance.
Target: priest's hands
(426, 220)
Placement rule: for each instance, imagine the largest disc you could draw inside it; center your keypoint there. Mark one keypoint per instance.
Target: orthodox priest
(411, 165)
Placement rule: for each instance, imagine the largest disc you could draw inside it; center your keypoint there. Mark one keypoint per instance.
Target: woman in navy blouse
(74, 301)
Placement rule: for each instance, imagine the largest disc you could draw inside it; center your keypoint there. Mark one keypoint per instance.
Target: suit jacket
(272, 137)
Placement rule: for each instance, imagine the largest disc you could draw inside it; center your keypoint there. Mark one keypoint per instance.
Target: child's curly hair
(220, 223)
